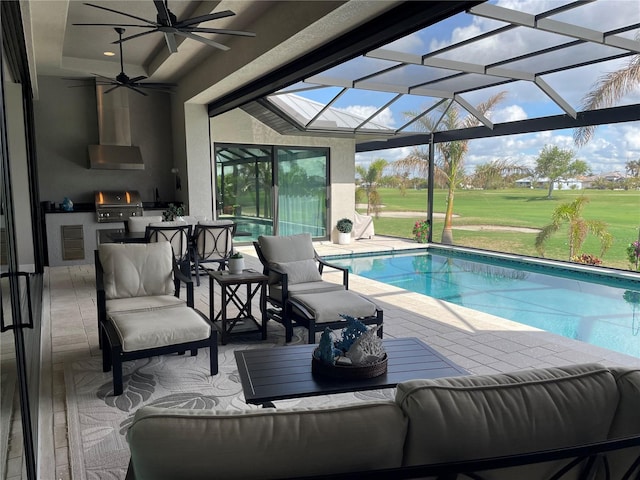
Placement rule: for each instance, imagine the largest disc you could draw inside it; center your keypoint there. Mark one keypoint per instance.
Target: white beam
(474, 111)
(553, 95)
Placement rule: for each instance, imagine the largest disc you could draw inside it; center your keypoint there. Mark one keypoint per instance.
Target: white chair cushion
(275, 290)
(137, 269)
(159, 328)
(301, 271)
(139, 224)
(328, 306)
(288, 248)
(141, 304)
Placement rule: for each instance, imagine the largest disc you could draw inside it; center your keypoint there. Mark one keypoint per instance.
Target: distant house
(588, 181)
(562, 184)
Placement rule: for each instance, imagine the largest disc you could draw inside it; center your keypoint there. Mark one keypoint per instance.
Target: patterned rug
(98, 421)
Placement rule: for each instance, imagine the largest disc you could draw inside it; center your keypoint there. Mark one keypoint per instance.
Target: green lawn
(518, 208)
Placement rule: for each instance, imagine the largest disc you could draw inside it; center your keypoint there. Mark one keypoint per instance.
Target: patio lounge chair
(139, 312)
(297, 294)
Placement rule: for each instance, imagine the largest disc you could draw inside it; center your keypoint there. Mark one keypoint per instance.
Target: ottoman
(316, 311)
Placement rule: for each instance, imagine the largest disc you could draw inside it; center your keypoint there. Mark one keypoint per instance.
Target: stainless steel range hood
(115, 151)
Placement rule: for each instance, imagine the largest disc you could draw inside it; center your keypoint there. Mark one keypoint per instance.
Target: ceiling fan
(168, 24)
(122, 80)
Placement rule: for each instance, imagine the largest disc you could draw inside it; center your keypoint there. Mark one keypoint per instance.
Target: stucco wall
(237, 126)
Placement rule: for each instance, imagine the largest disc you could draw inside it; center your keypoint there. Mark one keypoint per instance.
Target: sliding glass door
(272, 190)
(302, 191)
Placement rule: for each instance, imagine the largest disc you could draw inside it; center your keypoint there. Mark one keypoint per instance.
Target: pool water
(582, 306)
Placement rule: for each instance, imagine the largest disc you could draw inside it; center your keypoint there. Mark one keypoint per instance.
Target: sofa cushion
(300, 271)
(141, 304)
(159, 328)
(290, 248)
(275, 291)
(484, 416)
(328, 306)
(265, 443)
(137, 269)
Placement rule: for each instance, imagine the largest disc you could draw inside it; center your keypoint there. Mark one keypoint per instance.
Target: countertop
(48, 207)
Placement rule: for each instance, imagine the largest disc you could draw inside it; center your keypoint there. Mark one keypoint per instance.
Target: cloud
(511, 113)
(385, 117)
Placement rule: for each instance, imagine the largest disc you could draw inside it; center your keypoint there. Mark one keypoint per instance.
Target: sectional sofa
(430, 423)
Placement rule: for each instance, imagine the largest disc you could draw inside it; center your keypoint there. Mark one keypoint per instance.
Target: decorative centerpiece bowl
(357, 353)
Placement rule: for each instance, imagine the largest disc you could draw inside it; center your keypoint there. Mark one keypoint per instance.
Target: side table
(244, 322)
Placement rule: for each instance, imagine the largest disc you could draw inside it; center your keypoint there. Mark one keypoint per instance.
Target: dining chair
(178, 234)
(212, 243)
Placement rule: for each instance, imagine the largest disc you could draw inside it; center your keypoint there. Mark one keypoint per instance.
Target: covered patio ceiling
(545, 59)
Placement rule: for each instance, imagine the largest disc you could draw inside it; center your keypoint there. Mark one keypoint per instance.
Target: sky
(611, 146)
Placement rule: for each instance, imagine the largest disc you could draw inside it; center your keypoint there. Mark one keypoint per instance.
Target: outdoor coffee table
(279, 373)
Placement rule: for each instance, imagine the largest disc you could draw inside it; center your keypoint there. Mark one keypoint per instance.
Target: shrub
(421, 231)
(586, 259)
(344, 225)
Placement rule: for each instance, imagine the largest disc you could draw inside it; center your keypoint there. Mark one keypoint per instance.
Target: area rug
(97, 421)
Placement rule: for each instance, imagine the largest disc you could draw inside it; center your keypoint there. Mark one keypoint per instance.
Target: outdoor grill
(117, 206)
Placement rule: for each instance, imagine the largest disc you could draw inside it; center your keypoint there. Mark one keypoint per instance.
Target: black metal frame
(213, 234)
(583, 459)
(169, 233)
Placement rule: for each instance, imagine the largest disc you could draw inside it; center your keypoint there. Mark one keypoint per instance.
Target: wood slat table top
(285, 372)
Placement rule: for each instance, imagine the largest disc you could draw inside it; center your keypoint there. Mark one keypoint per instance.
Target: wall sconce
(176, 172)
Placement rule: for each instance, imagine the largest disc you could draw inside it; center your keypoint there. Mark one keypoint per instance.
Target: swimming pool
(583, 305)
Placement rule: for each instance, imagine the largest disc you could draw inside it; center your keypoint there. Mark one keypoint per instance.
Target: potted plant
(344, 227)
(174, 212)
(236, 263)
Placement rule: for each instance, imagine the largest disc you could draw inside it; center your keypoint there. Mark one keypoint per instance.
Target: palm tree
(632, 167)
(578, 228)
(370, 178)
(450, 161)
(607, 91)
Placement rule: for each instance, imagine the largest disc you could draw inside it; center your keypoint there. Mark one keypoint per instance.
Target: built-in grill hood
(115, 151)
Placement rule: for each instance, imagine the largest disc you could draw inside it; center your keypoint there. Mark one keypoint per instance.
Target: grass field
(518, 208)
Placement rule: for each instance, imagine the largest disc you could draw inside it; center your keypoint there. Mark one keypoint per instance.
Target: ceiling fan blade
(136, 90)
(203, 40)
(112, 25)
(163, 12)
(156, 85)
(171, 42)
(136, 35)
(137, 79)
(221, 31)
(103, 77)
(112, 88)
(204, 18)
(121, 13)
